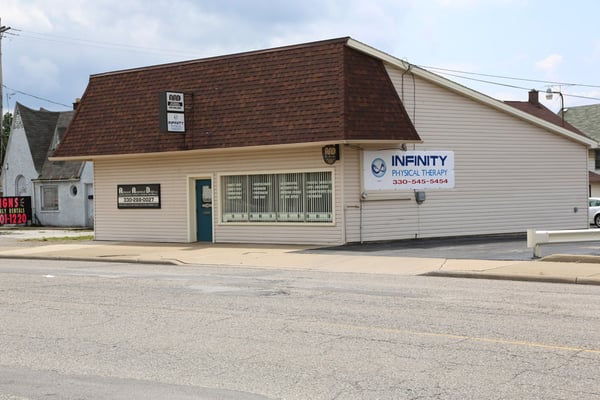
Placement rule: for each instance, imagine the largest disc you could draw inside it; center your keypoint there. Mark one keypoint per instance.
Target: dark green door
(204, 210)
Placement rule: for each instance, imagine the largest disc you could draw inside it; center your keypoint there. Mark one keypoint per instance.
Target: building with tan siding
(329, 142)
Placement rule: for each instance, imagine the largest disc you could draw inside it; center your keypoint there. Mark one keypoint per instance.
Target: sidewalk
(556, 268)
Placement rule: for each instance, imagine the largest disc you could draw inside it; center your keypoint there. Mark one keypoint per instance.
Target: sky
(502, 48)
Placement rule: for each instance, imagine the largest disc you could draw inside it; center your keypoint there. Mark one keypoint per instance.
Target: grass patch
(61, 238)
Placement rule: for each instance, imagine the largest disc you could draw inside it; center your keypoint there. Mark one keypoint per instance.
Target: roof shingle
(41, 127)
(316, 92)
(585, 118)
(537, 109)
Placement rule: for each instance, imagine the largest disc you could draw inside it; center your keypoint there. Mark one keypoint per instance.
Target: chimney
(533, 97)
(76, 103)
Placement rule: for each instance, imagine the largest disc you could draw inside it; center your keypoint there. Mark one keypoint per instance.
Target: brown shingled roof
(593, 177)
(534, 107)
(316, 92)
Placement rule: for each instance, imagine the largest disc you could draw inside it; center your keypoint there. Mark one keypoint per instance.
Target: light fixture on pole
(549, 93)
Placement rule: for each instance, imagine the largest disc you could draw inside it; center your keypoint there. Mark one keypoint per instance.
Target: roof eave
(356, 142)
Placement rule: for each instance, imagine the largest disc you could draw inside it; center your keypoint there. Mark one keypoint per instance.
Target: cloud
(82, 38)
(472, 3)
(25, 16)
(549, 65)
(40, 74)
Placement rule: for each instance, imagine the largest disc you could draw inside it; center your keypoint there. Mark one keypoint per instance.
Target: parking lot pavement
(493, 247)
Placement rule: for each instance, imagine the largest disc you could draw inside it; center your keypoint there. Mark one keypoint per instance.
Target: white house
(61, 192)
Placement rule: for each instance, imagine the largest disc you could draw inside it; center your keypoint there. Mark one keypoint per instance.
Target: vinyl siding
(168, 224)
(375, 220)
(175, 221)
(18, 161)
(510, 175)
(352, 189)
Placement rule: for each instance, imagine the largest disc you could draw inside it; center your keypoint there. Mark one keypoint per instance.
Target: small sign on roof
(171, 107)
(175, 102)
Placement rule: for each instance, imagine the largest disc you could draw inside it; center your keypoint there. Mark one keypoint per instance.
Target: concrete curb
(513, 277)
(584, 270)
(93, 259)
(572, 258)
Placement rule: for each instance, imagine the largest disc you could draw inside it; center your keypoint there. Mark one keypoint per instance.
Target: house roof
(593, 177)
(60, 170)
(534, 107)
(42, 129)
(586, 118)
(39, 128)
(312, 93)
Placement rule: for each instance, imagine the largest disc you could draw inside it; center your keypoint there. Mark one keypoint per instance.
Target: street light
(549, 93)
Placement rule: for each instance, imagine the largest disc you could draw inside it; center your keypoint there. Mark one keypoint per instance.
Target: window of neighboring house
(49, 195)
(597, 159)
(298, 197)
(20, 186)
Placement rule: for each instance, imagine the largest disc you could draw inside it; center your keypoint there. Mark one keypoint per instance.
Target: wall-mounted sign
(138, 196)
(15, 210)
(175, 101)
(175, 122)
(408, 170)
(171, 107)
(331, 153)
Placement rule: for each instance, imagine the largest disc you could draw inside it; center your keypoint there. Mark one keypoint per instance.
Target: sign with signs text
(15, 210)
(408, 170)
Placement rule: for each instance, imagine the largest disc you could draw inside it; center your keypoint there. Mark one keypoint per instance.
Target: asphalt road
(73, 330)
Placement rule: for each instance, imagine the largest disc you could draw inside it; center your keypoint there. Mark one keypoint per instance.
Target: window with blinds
(49, 194)
(299, 197)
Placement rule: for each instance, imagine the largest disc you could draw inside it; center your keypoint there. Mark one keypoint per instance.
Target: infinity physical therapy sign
(408, 170)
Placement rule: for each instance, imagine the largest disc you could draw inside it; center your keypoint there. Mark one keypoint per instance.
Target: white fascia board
(470, 93)
(353, 142)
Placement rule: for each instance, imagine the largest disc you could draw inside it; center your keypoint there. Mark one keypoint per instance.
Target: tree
(6, 123)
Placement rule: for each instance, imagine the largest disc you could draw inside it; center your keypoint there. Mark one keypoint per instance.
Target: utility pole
(2, 30)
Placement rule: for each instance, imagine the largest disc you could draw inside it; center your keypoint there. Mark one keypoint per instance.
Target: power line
(97, 44)
(520, 87)
(36, 97)
(119, 46)
(484, 81)
(581, 97)
(511, 78)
